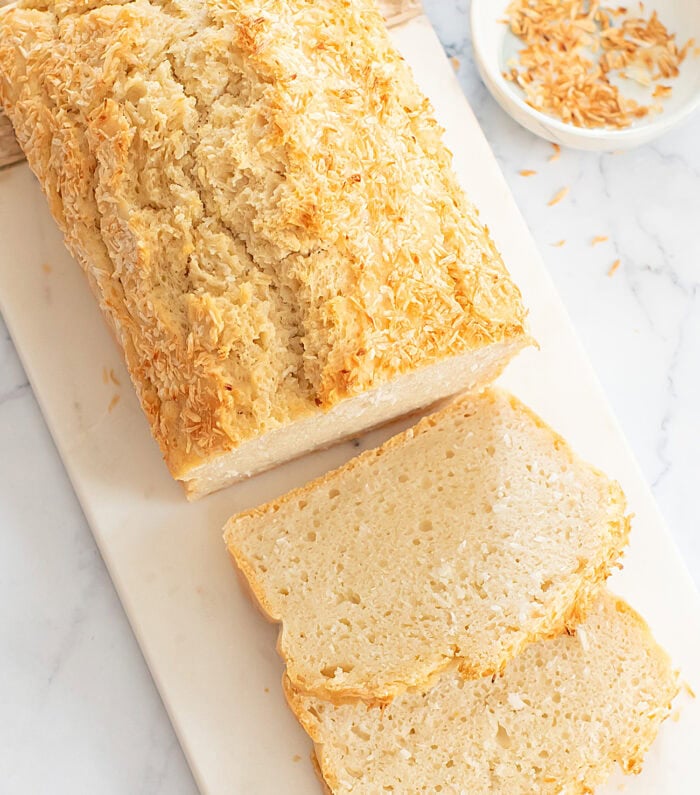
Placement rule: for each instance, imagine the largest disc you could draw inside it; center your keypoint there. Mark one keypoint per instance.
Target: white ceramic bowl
(494, 44)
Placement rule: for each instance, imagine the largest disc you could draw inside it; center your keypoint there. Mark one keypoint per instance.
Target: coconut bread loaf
(267, 214)
(462, 539)
(558, 720)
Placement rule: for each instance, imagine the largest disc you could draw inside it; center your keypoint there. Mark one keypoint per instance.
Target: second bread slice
(557, 721)
(463, 539)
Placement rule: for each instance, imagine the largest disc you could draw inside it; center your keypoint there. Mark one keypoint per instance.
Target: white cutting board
(210, 653)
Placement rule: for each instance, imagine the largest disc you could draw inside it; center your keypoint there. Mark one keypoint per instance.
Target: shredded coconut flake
(558, 197)
(571, 50)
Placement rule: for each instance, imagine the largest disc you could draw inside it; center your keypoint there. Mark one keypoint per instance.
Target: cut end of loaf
(463, 539)
(550, 723)
(408, 394)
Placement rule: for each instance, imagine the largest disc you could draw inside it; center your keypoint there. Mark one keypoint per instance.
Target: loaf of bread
(557, 721)
(463, 539)
(265, 209)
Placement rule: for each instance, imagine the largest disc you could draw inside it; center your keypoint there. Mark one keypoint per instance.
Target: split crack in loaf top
(261, 199)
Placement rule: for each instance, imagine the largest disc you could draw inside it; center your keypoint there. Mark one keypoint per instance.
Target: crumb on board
(267, 689)
(556, 154)
(46, 268)
(558, 196)
(113, 377)
(113, 402)
(559, 243)
(296, 758)
(599, 239)
(614, 267)
(688, 689)
(527, 172)
(454, 60)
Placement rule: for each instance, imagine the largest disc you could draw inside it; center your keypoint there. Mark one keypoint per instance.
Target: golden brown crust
(262, 202)
(553, 625)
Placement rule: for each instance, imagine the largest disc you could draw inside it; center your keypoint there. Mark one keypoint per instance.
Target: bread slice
(463, 539)
(264, 207)
(557, 720)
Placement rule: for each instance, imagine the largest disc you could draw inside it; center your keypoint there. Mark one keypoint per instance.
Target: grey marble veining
(80, 712)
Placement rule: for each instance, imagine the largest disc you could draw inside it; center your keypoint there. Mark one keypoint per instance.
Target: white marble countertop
(80, 712)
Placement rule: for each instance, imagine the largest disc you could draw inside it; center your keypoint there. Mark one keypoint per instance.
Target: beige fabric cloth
(397, 11)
